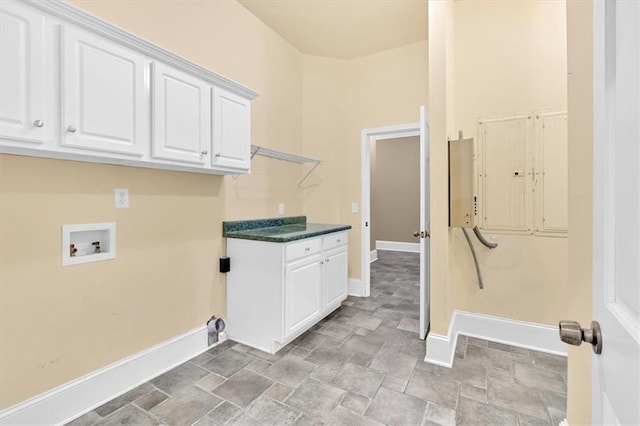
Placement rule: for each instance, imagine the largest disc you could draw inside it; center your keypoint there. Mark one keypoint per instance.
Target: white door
(336, 277)
(181, 116)
(616, 216)
(104, 96)
(231, 130)
(21, 73)
(425, 223)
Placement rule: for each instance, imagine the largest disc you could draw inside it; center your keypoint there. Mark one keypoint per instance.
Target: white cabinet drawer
(303, 248)
(334, 240)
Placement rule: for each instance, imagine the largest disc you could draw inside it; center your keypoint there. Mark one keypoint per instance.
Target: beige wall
(325, 122)
(441, 69)
(386, 89)
(379, 90)
(60, 323)
(395, 190)
(508, 58)
(580, 42)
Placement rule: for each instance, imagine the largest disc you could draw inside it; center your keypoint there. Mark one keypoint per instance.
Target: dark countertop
(278, 230)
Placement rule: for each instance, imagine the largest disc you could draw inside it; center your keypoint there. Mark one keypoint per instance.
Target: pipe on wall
(475, 259)
(483, 240)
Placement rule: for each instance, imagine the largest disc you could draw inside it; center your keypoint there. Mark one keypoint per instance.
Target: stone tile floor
(362, 365)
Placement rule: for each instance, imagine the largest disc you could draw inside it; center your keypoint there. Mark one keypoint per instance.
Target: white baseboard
(539, 337)
(373, 256)
(355, 287)
(79, 396)
(398, 246)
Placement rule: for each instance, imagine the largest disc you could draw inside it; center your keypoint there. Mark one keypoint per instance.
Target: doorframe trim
(377, 133)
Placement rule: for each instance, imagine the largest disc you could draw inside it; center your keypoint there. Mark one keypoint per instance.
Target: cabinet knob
(38, 123)
(321, 262)
(205, 152)
(306, 249)
(218, 154)
(338, 240)
(327, 260)
(71, 129)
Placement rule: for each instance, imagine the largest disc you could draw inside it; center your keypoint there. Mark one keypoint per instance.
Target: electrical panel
(504, 175)
(462, 200)
(551, 174)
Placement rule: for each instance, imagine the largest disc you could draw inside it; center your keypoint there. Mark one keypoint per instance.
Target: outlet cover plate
(121, 198)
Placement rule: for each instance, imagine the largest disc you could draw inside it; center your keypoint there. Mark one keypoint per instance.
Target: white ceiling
(344, 29)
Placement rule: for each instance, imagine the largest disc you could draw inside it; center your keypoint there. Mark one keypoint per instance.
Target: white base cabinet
(276, 291)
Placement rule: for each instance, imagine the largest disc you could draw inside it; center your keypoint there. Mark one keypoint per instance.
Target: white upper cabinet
(73, 86)
(231, 130)
(181, 116)
(21, 73)
(105, 104)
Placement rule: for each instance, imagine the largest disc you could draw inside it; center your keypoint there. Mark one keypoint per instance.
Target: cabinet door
(302, 294)
(104, 96)
(336, 277)
(231, 130)
(181, 116)
(21, 73)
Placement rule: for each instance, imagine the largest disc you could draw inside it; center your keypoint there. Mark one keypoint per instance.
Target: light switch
(281, 208)
(121, 198)
(354, 207)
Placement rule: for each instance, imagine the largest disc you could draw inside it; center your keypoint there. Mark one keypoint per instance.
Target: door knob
(416, 234)
(572, 334)
(422, 234)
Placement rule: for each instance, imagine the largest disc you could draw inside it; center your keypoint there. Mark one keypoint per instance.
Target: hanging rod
(285, 156)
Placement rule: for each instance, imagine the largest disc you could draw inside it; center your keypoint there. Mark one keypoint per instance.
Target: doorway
(394, 195)
(381, 134)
